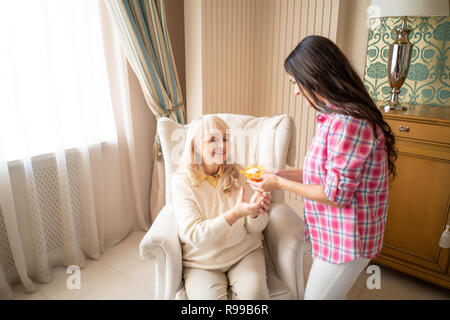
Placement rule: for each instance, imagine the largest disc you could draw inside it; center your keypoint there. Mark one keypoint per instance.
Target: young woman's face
(298, 92)
(213, 146)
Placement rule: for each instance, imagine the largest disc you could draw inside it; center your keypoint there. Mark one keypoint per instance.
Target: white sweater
(207, 240)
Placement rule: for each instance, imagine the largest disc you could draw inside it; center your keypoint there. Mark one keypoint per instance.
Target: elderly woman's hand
(243, 208)
(263, 199)
(268, 182)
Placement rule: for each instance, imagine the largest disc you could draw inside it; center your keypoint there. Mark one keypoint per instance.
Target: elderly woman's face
(213, 145)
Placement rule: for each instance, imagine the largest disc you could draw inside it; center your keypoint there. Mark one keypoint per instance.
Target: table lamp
(400, 51)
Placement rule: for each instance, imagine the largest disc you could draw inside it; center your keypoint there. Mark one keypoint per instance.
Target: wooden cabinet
(419, 198)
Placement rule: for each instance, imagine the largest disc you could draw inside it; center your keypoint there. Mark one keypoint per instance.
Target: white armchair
(284, 241)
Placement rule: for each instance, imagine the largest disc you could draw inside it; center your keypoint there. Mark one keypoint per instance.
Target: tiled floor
(394, 286)
(121, 274)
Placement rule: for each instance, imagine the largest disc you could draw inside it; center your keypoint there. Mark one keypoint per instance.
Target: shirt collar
(322, 117)
(212, 179)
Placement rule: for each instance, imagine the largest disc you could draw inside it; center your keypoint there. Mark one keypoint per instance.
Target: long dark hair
(321, 69)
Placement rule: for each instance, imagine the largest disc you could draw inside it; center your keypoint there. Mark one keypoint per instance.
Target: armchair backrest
(269, 141)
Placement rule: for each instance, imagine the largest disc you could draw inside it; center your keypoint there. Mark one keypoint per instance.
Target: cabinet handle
(444, 242)
(406, 129)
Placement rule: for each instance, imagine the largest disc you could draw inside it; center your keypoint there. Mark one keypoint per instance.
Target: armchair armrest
(162, 245)
(285, 240)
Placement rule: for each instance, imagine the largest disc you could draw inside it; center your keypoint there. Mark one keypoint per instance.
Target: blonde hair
(191, 160)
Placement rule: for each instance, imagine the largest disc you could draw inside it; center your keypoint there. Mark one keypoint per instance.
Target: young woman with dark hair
(344, 180)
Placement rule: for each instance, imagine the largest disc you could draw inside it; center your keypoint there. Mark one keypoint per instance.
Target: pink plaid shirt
(347, 159)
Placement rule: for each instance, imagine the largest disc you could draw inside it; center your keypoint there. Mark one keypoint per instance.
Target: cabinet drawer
(420, 131)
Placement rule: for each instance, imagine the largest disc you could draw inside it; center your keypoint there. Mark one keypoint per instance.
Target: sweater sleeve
(257, 224)
(192, 227)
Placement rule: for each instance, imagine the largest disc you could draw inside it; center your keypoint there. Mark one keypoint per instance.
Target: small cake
(253, 173)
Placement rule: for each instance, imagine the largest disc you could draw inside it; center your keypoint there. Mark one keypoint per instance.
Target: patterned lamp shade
(409, 8)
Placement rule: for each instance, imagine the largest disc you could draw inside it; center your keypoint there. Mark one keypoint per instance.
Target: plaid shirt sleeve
(350, 142)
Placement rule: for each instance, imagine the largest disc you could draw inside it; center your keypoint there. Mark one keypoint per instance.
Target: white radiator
(50, 238)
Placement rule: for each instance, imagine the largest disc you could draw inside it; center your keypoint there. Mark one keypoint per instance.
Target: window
(54, 89)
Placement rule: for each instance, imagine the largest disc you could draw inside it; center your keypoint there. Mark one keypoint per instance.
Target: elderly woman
(220, 231)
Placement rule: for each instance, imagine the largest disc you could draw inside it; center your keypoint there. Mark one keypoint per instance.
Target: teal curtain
(146, 42)
(145, 39)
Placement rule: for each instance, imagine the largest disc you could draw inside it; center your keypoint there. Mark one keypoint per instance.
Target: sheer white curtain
(66, 144)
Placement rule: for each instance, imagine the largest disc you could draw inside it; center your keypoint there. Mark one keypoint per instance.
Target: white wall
(352, 32)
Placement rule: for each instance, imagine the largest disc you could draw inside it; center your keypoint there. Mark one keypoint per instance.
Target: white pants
(246, 279)
(329, 281)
